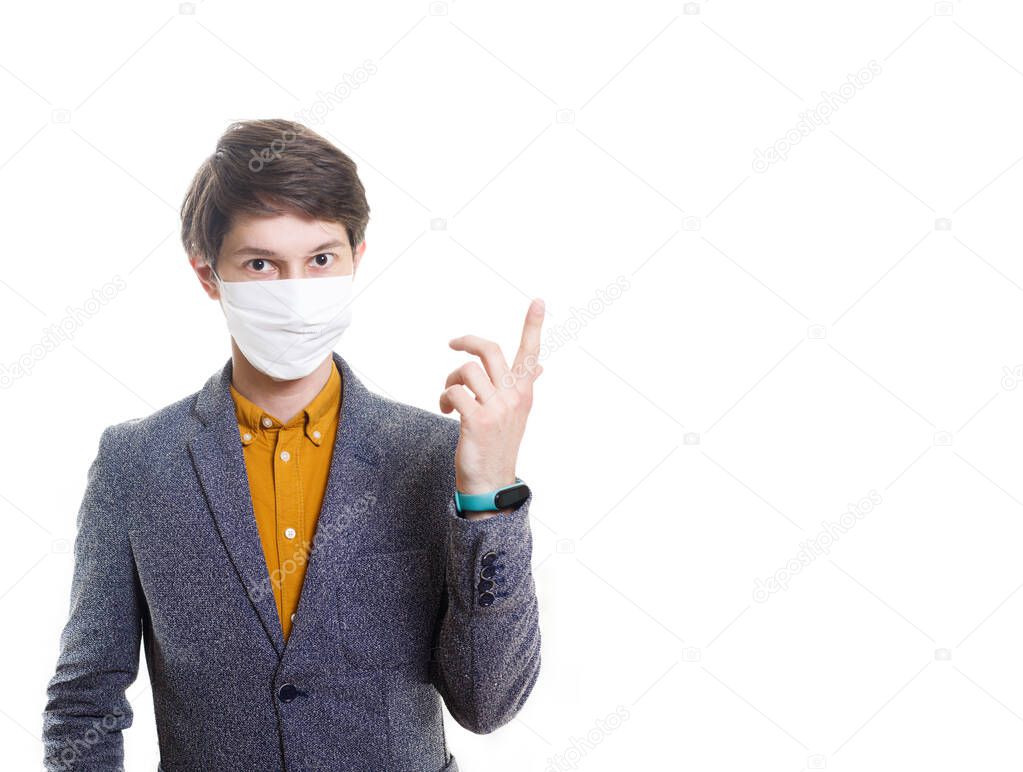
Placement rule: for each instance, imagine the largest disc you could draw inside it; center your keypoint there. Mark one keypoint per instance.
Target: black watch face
(512, 497)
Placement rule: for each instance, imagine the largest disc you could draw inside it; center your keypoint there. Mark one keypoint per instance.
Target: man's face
(281, 247)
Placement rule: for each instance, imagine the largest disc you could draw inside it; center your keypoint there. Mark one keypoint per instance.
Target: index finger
(529, 346)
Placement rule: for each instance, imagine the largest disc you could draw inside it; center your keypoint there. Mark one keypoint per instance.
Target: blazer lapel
(348, 503)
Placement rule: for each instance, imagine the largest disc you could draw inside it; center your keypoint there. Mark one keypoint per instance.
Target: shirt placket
(288, 495)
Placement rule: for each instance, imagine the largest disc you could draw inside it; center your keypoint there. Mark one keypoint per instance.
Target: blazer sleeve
(487, 657)
(86, 708)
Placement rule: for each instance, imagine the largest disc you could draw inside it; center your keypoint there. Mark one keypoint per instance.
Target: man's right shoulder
(150, 439)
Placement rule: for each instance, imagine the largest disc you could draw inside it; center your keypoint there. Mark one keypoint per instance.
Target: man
(311, 567)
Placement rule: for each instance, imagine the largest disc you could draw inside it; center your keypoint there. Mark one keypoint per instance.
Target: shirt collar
(316, 416)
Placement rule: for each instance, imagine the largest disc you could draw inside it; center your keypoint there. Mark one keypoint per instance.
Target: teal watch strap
(484, 502)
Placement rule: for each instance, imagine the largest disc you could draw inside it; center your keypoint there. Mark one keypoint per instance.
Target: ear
(357, 256)
(205, 275)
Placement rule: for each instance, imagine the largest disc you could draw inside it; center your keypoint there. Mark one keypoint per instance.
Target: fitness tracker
(508, 496)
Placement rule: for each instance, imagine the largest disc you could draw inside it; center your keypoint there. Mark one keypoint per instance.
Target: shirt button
(246, 436)
(316, 435)
(289, 532)
(267, 421)
(285, 455)
(292, 617)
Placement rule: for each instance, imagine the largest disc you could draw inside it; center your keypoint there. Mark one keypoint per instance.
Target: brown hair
(268, 167)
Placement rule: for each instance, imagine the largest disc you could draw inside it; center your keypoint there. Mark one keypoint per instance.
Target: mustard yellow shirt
(287, 467)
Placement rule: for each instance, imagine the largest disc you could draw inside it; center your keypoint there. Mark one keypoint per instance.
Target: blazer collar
(350, 501)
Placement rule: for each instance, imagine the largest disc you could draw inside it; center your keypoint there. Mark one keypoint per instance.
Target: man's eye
(328, 258)
(257, 264)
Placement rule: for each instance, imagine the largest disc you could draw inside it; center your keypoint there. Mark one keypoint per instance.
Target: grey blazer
(391, 619)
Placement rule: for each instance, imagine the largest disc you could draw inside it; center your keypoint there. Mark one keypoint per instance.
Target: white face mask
(287, 327)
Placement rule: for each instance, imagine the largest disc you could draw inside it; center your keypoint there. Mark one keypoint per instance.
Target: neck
(281, 399)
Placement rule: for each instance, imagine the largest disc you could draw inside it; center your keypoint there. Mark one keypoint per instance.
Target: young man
(311, 567)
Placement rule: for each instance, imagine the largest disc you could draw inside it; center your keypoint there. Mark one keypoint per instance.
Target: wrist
(499, 499)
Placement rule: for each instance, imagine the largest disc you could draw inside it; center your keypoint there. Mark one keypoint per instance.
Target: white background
(845, 324)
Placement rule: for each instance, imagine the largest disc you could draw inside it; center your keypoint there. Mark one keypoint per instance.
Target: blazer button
(486, 598)
(487, 572)
(485, 585)
(489, 558)
(287, 693)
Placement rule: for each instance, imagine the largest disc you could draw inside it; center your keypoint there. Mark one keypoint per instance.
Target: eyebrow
(247, 250)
